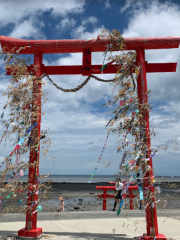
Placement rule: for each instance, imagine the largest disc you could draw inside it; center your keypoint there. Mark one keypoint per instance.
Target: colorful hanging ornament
(106, 65)
(123, 159)
(120, 206)
(4, 133)
(38, 209)
(99, 158)
(121, 103)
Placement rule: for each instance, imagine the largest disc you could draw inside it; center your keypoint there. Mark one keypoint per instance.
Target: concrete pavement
(106, 228)
(49, 216)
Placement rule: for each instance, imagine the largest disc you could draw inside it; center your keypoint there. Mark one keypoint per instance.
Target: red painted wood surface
(105, 195)
(95, 69)
(113, 187)
(151, 213)
(86, 67)
(31, 229)
(73, 46)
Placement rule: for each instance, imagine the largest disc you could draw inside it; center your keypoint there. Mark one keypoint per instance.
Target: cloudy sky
(77, 121)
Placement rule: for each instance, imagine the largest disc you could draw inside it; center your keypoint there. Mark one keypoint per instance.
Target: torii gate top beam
(74, 46)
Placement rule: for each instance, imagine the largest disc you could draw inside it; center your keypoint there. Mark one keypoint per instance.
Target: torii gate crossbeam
(40, 47)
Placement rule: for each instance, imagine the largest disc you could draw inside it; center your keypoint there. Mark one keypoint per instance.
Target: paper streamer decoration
(17, 51)
(158, 189)
(31, 128)
(2, 74)
(38, 209)
(165, 203)
(140, 205)
(22, 139)
(121, 108)
(33, 203)
(26, 106)
(140, 195)
(120, 206)
(4, 133)
(121, 103)
(129, 142)
(13, 124)
(106, 65)
(123, 159)
(127, 186)
(9, 195)
(21, 173)
(99, 158)
(108, 47)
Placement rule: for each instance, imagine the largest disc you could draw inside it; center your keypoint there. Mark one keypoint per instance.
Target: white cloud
(82, 33)
(27, 29)
(91, 20)
(67, 23)
(13, 11)
(156, 19)
(107, 4)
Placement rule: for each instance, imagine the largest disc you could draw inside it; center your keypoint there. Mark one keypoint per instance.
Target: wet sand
(83, 197)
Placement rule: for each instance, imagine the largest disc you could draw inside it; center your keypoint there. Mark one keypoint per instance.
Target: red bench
(105, 195)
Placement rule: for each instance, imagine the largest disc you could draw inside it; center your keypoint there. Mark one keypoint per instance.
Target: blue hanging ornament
(137, 111)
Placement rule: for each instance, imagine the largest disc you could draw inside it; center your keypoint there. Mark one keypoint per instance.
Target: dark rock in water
(76, 208)
(91, 193)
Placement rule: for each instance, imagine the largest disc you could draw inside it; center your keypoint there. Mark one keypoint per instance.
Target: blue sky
(78, 121)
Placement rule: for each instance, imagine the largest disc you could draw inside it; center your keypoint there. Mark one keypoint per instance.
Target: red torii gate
(40, 47)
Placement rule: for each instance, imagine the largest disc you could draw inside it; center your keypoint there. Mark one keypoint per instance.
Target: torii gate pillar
(31, 229)
(151, 212)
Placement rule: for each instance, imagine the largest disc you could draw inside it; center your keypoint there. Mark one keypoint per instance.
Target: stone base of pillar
(28, 234)
(158, 237)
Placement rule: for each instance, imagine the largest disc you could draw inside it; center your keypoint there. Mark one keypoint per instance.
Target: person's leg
(115, 203)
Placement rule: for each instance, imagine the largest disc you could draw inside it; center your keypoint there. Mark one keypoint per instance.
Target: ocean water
(96, 178)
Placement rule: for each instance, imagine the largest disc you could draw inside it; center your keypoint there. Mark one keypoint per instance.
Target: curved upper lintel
(74, 46)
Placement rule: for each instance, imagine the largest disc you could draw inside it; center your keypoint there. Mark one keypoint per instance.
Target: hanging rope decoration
(80, 86)
(99, 158)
